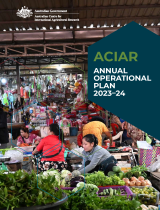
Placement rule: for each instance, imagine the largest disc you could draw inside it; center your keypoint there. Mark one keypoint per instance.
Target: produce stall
(65, 190)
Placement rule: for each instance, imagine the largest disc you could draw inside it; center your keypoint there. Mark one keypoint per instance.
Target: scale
(3, 162)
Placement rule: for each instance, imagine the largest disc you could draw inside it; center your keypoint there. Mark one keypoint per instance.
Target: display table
(123, 155)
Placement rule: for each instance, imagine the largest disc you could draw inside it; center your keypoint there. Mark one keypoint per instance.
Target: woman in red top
(53, 149)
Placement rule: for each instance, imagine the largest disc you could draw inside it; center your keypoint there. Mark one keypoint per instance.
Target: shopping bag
(147, 157)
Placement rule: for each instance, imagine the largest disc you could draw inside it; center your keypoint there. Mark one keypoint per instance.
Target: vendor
(53, 150)
(26, 137)
(97, 128)
(96, 157)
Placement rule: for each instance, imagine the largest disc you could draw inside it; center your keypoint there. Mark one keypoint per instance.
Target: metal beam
(31, 47)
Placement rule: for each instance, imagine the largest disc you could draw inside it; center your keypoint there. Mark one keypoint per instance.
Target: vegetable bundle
(99, 179)
(20, 190)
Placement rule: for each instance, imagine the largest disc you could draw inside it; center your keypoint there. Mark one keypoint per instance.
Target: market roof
(91, 13)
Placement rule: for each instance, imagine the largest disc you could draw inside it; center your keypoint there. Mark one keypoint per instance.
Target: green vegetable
(121, 174)
(116, 169)
(111, 173)
(111, 192)
(85, 201)
(20, 189)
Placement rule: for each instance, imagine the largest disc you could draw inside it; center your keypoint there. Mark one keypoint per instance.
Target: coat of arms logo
(24, 12)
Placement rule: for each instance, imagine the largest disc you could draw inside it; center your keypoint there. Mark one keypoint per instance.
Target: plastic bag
(14, 155)
(77, 152)
(155, 165)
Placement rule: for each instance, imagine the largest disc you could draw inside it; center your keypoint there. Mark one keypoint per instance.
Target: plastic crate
(129, 193)
(146, 198)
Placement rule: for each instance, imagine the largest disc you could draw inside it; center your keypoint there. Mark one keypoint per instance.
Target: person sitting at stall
(27, 138)
(96, 157)
(53, 149)
(97, 128)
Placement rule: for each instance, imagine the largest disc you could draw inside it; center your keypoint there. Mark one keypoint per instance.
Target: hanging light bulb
(59, 68)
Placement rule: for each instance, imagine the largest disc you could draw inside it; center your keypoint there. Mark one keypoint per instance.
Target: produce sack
(147, 157)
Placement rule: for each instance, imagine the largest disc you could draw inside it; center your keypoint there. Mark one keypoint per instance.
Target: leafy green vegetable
(20, 190)
(87, 201)
(116, 169)
(99, 179)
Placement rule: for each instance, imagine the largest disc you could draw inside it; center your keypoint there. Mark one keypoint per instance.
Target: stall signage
(123, 76)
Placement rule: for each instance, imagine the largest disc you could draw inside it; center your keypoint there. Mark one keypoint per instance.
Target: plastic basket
(146, 197)
(129, 193)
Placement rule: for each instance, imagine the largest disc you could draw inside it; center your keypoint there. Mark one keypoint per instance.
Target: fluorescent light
(43, 28)
(78, 26)
(112, 25)
(24, 29)
(10, 29)
(64, 27)
(118, 25)
(91, 26)
(71, 27)
(152, 24)
(145, 24)
(4, 29)
(37, 28)
(17, 29)
(84, 27)
(4, 81)
(59, 68)
(98, 26)
(158, 24)
(51, 27)
(125, 24)
(57, 27)
(30, 29)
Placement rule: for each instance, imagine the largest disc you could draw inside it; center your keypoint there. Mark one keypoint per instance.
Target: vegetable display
(116, 171)
(110, 192)
(19, 189)
(137, 171)
(136, 182)
(99, 179)
(87, 200)
(147, 195)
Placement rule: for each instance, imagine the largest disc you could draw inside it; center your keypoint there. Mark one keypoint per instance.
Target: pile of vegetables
(137, 182)
(19, 189)
(144, 207)
(147, 195)
(136, 171)
(99, 179)
(116, 171)
(110, 192)
(91, 187)
(87, 200)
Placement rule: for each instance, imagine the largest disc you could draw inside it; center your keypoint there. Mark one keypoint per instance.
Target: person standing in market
(4, 135)
(97, 128)
(95, 157)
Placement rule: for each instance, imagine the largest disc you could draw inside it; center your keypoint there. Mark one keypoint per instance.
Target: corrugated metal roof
(90, 12)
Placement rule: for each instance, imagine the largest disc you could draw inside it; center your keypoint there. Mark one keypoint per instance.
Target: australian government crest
(24, 12)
